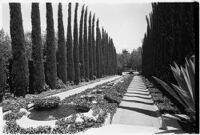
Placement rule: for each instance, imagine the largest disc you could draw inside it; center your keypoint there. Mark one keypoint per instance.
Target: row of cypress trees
(83, 56)
(170, 37)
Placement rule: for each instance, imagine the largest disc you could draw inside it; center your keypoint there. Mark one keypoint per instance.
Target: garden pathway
(137, 107)
(65, 94)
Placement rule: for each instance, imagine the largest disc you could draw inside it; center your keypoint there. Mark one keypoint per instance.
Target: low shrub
(166, 108)
(60, 84)
(13, 116)
(46, 103)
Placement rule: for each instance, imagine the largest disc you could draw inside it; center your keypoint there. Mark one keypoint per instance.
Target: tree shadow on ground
(138, 93)
(146, 112)
(175, 131)
(137, 102)
(137, 96)
(140, 90)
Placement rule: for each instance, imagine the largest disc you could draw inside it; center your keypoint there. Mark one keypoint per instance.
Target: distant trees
(61, 52)
(170, 37)
(51, 66)
(70, 59)
(44, 58)
(37, 54)
(5, 54)
(5, 46)
(20, 72)
(76, 48)
(129, 60)
(2, 78)
(136, 59)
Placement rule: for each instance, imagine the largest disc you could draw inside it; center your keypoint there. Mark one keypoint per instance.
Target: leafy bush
(46, 103)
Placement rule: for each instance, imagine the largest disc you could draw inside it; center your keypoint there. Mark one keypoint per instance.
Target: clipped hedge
(46, 103)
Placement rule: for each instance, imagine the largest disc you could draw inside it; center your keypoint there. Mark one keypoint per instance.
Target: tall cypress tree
(97, 49)
(61, 53)
(70, 61)
(86, 56)
(76, 48)
(94, 46)
(109, 56)
(20, 72)
(100, 53)
(81, 48)
(103, 52)
(106, 53)
(90, 47)
(115, 61)
(169, 38)
(37, 54)
(51, 67)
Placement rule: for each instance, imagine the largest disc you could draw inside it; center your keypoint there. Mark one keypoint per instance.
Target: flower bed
(96, 99)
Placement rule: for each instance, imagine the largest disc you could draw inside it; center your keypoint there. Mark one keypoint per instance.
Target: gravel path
(65, 94)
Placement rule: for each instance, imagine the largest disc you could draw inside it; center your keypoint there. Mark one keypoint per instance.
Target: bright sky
(124, 22)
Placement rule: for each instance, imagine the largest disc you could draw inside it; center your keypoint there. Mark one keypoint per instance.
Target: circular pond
(55, 113)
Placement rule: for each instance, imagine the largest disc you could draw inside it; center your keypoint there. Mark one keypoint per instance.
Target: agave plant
(184, 92)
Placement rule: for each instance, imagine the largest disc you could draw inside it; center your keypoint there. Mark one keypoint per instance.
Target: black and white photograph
(99, 67)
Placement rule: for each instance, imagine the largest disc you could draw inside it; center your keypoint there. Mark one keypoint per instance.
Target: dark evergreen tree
(20, 72)
(94, 46)
(100, 53)
(81, 47)
(103, 52)
(37, 54)
(98, 41)
(51, 67)
(61, 52)
(76, 48)
(70, 59)
(106, 55)
(169, 37)
(86, 55)
(90, 47)
(109, 57)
